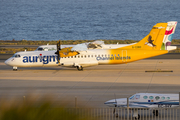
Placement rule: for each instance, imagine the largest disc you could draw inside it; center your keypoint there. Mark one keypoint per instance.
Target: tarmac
(94, 85)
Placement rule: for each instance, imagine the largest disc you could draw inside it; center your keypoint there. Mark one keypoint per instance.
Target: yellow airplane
(149, 46)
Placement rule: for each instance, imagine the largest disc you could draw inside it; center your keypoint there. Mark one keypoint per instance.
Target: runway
(94, 85)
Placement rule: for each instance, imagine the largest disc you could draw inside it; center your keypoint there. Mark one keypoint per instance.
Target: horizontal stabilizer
(169, 48)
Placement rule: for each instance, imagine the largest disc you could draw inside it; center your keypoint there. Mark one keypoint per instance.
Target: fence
(121, 113)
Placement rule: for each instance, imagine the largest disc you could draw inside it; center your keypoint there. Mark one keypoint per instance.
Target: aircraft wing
(89, 45)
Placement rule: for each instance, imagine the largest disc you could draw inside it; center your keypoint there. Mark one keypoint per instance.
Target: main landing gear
(80, 68)
(138, 117)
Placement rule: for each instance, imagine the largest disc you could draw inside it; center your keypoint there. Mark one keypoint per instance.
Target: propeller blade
(59, 44)
(58, 49)
(114, 111)
(115, 98)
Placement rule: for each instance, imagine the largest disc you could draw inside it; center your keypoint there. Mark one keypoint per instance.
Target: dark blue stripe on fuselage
(162, 103)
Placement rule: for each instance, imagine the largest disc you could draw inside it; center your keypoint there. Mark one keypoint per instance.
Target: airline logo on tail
(169, 34)
(150, 42)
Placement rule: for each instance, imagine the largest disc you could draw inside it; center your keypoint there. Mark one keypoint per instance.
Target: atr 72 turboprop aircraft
(145, 100)
(153, 44)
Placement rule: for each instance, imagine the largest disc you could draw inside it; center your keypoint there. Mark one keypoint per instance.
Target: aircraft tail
(171, 26)
(153, 40)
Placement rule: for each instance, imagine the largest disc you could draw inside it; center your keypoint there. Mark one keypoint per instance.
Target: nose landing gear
(14, 68)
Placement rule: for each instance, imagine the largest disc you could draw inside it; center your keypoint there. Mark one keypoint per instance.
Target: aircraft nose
(110, 103)
(8, 61)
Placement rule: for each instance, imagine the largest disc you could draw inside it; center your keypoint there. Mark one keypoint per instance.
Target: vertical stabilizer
(153, 40)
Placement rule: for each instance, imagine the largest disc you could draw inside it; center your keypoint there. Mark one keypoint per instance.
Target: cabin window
(102, 55)
(95, 55)
(162, 98)
(112, 55)
(145, 97)
(98, 55)
(137, 96)
(81, 56)
(88, 55)
(85, 56)
(118, 54)
(105, 55)
(78, 56)
(68, 57)
(74, 56)
(157, 97)
(115, 55)
(168, 98)
(151, 97)
(108, 55)
(71, 56)
(91, 55)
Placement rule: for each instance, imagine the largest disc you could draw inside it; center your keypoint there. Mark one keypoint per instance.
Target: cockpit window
(132, 97)
(137, 96)
(40, 49)
(16, 55)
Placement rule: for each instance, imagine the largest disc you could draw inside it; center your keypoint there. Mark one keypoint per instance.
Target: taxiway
(93, 86)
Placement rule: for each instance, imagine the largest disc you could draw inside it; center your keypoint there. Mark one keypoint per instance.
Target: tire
(137, 118)
(116, 115)
(80, 68)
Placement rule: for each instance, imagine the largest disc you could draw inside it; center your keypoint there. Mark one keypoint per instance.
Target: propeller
(58, 49)
(115, 104)
(115, 100)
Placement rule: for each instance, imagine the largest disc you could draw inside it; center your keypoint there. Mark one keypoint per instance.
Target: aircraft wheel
(116, 115)
(80, 68)
(14, 68)
(137, 118)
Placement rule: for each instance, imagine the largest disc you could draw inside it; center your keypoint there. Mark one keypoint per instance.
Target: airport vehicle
(145, 100)
(80, 56)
